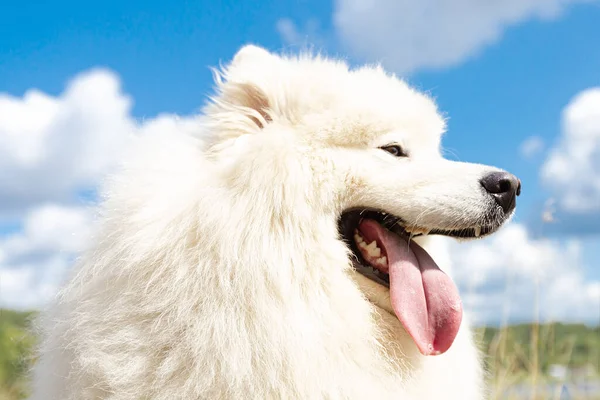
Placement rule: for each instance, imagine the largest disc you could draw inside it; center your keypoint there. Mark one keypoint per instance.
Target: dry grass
(515, 373)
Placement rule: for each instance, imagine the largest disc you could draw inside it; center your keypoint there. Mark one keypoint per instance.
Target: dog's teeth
(358, 237)
(381, 261)
(477, 231)
(373, 250)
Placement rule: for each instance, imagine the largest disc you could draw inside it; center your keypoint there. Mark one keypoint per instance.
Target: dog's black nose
(504, 187)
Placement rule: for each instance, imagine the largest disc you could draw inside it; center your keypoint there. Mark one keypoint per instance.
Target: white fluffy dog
(271, 255)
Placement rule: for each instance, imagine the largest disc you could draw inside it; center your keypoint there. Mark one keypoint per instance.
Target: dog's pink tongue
(424, 298)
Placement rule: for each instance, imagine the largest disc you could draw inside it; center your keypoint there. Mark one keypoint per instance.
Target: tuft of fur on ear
(240, 105)
(251, 98)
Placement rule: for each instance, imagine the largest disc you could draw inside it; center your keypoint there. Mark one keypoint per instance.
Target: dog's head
(364, 147)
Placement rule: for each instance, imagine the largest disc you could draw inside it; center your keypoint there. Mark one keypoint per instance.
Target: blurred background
(519, 81)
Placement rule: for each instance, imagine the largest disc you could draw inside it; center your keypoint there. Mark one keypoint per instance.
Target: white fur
(218, 271)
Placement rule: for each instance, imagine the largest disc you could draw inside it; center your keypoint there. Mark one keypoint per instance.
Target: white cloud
(407, 35)
(52, 146)
(34, 262)
(572, 169)
(531, 147)
(288, 31)
(308, 36)
(507, 276)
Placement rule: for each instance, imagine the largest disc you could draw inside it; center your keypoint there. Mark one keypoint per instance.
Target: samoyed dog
(276, 249)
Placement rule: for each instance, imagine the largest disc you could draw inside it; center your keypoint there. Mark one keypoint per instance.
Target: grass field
(521, 359)
(16, 345)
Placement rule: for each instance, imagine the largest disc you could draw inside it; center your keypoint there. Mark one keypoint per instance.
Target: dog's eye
(394, 150)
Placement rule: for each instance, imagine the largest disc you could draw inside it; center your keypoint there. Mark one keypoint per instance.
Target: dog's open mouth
(424, 298)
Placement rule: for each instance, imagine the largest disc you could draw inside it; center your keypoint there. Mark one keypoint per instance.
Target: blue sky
(497, 94)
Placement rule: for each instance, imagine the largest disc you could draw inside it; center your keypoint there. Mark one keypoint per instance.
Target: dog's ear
(241, 98)
(250, 99)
